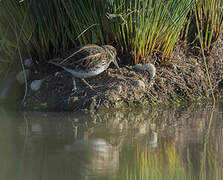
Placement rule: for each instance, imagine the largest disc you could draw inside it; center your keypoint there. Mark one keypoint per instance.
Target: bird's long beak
(116, 63)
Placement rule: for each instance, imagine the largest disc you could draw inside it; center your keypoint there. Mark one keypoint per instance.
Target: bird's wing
(82, 51)
(84, 56)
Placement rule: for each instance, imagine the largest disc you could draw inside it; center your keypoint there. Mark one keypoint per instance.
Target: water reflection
(174, 143)
(96, 158)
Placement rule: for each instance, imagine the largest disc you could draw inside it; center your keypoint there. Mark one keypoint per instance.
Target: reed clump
(46, 29)
(209, 15)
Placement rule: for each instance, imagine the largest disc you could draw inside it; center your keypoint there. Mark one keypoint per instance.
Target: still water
(131, 144)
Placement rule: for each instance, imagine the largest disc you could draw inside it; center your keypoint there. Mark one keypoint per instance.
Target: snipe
(87, 61)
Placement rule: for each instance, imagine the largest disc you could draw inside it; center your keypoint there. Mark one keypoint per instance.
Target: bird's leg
(87, 84)
(74, 84)
(98, 93)
(116, 63)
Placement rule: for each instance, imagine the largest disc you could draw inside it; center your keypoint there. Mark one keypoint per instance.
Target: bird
(87, 61)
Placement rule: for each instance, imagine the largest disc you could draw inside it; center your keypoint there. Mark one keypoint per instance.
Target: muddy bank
(184, 79)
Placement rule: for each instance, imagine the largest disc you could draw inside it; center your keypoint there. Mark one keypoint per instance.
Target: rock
(20, 77)
(151, 69)
(11, 90)
(36, 84)
(28, 63)
(147, 67)
(139, 67)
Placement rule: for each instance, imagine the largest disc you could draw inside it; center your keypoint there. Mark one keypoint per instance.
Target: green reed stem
(203, 56)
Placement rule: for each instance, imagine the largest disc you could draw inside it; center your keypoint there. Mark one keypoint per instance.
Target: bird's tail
(56, 64)
(60, 65)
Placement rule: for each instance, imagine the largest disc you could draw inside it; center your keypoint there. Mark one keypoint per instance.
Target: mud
(184, 79)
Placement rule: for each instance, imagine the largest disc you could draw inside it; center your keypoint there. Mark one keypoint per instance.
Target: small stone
(147, 67)
(75, 98)
(151, 69)
(44, 104)
(139, 67)
(36, 84)
(20, 77)
(28, 63)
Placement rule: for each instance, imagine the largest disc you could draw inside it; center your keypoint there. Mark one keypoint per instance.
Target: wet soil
(184, 79)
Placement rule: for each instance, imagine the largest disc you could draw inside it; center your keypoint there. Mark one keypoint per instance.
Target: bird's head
(112, 53)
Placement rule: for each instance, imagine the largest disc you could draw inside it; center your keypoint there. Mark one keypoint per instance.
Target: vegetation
(210, 21)
(157, 164)
(45, 29)
(148, 164)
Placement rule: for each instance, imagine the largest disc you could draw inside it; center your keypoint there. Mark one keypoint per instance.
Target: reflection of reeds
(148, 164)
(189, 144)
(208, 161)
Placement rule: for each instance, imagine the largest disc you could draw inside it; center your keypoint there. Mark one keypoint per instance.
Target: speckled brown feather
(89, 58)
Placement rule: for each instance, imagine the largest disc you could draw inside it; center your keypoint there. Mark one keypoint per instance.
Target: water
(132, 144)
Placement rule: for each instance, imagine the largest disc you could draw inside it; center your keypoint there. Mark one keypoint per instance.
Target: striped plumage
(87, 61)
